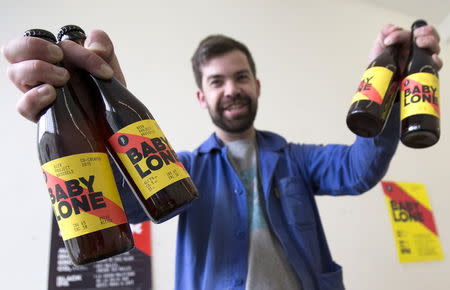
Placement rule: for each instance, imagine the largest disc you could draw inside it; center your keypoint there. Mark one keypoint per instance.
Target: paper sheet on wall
(414, 229)
(127, 271)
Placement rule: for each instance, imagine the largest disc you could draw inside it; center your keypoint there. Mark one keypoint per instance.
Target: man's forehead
(228, 63)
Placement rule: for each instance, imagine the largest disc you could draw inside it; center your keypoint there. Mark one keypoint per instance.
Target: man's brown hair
(216, 45)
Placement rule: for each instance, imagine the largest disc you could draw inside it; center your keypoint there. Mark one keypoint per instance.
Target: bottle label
(148, 157)
(83, 194)
(420, 95)
(374, 84)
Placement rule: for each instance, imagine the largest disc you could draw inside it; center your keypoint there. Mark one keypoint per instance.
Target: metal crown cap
(70, 29)
(418, 23)
(41, 33)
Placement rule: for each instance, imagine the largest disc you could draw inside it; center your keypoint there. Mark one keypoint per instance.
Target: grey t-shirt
(268, 268)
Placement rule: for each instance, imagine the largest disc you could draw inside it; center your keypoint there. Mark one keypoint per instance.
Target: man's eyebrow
(215, 76)
(219, 76)
(242, 71)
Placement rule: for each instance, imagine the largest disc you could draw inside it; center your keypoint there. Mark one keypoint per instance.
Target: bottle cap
(418, 23)
(71, 32)
(41, 33)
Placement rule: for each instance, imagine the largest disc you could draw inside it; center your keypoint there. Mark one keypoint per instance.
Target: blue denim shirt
(213, 233)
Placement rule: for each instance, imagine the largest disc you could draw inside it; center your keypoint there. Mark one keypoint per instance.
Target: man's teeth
(234, 107)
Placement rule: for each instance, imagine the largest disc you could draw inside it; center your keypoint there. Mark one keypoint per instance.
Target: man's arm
(350, 170)
(340, 169)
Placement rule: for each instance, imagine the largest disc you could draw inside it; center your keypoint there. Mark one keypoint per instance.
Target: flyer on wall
(127, 271)
(415, 232)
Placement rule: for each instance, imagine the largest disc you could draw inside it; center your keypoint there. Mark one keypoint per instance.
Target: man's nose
(231, 88)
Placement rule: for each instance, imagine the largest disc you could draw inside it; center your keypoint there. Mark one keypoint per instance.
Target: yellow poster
(414, 229)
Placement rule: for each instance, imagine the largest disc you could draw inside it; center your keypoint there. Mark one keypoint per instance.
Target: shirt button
(240, 235)
(238, 191)
(239, 282)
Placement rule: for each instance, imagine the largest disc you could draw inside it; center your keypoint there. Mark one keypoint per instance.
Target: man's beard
(240, 124)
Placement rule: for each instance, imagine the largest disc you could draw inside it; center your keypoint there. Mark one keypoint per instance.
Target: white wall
(310, 56)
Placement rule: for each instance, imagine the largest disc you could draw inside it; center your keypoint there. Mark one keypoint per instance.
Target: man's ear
(201, 98)
(258, 87)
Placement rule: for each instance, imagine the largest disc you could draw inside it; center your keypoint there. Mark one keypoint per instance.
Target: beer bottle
(79, 179)
(419, 107)
(138, 146)
(375, 95)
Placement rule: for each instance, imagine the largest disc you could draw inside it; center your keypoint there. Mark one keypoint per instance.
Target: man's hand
(425, 37)
(34, 71)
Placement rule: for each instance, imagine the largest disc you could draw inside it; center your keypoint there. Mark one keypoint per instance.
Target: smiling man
(228, 87)
(256, 223)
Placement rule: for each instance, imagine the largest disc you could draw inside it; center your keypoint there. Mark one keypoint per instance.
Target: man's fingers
(387, 29)
(429, 42)
(427, 30)
(100, 43)
(81, 57)
(438, 61)
(398, 36)
(389, 35)
(427, 37)
(26, 48)
(30, 73)
(35, 100)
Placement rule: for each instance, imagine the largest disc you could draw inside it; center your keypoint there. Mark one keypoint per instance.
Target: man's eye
(215, 83)
(242, 77)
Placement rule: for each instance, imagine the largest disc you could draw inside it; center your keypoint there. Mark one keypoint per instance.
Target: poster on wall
(415, 232)
(127, 271)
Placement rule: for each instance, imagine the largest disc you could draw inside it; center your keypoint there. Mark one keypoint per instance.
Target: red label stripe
(396, 193)
(411, 85)
(112, 210)
(135, 141)
(370, 92)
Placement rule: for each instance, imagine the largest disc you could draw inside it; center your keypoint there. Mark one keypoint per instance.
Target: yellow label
(83, 194)
(148, 156)
(374, 84)
(413, 225)
(420, 95)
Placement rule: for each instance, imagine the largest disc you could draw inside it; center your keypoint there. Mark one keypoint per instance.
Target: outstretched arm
(340, 169)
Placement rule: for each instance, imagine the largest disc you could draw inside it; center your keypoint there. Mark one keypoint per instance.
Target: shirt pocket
(298, 210)
(331, 280)
(296, 203)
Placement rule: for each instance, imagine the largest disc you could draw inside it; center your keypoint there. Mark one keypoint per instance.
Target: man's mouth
(234, 114)
(235, 106)
(236, 103)
(236, 109)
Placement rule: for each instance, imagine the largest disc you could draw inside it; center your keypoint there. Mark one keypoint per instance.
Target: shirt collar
(267, 141)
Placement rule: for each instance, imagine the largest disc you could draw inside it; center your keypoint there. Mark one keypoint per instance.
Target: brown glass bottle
(79, 179)
(375, 95)
(137, 144)
(419, 113)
